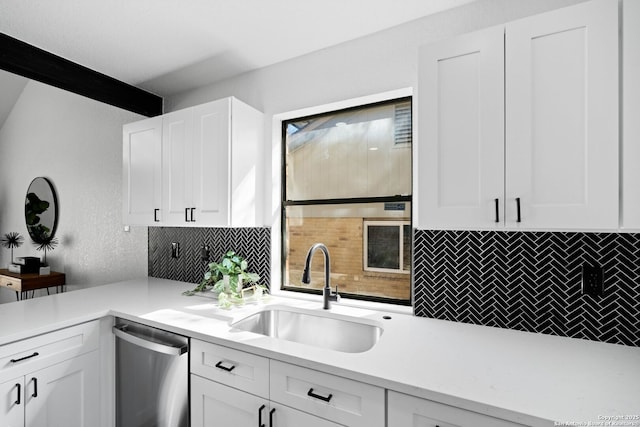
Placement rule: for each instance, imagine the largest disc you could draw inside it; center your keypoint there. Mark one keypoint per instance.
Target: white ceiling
(148, 43)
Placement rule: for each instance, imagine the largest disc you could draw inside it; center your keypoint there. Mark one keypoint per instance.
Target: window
(347, 184)
(387, 246)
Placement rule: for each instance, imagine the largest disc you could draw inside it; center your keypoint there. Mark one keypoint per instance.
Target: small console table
(23, 283)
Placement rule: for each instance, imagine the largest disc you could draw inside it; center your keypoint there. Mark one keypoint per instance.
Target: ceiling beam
(29, 61)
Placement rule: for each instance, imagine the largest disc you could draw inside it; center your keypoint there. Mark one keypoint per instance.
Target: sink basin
(307, 327)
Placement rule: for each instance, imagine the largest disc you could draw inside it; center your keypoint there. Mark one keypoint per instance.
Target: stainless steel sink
(349, 336)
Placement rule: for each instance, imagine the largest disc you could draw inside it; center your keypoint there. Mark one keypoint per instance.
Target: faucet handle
(336, 295)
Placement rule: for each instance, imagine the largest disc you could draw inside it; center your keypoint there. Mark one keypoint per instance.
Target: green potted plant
(227, 276)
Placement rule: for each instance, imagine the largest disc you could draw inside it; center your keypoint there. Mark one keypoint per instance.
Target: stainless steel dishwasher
(152, 376)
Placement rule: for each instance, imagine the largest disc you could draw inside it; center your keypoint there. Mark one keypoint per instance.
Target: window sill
(348, 302)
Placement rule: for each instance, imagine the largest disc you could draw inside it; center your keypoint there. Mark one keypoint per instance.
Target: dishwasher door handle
(121, 332)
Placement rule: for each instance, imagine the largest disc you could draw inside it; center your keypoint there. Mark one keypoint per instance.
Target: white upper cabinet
(562, 118)
(142, 171)
(212, 149)
(461, 128)
(209, 156)
(631, 114)
(177, 166)
(518, 125)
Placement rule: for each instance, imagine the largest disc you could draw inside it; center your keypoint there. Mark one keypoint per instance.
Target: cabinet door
(234, 368)
(409, 411)
(213, 404)
(330, 397)
(177, 167)
(142, 174)
(283, 416)
(12, 403)
(461, 148)
(562, 118)
(211, 165)
(65, 394)
(631, 112)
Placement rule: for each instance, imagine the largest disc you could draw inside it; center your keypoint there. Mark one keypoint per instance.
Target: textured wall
(251, 243)
(76, 143)
(530, 281)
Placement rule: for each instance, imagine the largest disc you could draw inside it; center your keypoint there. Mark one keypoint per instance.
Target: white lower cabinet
(283, 416)
(214, 404)
(66, 394)
(410, 411)
(11, 402)
(51, 380)
(344, 401)
(230, 388)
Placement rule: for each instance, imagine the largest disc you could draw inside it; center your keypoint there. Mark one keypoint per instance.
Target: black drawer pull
(35, 387)
(518, 207)
(260, 416)
(219, 365)
(35, 353)
(271, 417)
(497, 210)
(192, 209)
(310, 393)
(155, 215)
(18, 386)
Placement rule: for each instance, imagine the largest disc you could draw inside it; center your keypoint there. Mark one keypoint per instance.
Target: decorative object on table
(25, 265)
(227, 278)
(47, 245)
(12, 240)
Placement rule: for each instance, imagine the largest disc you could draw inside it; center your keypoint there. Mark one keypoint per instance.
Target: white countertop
(529, 378)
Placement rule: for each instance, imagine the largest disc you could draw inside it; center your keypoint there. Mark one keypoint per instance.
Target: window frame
(284, 202)
(399, 224)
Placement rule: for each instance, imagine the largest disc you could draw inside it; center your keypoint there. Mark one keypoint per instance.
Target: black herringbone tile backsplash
(254, 244)
(530, 281)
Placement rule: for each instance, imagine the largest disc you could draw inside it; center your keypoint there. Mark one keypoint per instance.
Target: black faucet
(327, 295)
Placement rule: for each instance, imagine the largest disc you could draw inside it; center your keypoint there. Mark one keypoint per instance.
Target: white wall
(374, 64)
(76, 143)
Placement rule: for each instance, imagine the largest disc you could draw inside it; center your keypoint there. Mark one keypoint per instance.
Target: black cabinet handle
(219, 365)
(35, 353)
(186, 214)
(310, 393)
(155, 215)
(18, 386)
(271, 412)
(518, 208)
(192, 219)
(260, 416)
(497, 210)
(35, 387)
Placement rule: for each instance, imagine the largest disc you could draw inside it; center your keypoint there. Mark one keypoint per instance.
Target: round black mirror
(41, 210)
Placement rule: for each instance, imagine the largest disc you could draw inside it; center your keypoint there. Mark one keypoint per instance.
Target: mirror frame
(54, 204)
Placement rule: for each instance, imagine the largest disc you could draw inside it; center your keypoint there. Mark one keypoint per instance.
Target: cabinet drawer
(334, 398)
(405, 410)
(234, 368)
(11, 283)
(43, 350)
